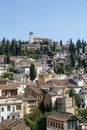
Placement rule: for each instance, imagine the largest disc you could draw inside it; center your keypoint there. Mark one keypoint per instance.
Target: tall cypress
(32, 72)
(3, 46)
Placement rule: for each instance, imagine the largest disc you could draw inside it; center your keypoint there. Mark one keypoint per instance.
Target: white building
(78, 80)
(33, 39)
(83, 97)
(11, 108)
(24, 69)
(3, 68)
(61, 55)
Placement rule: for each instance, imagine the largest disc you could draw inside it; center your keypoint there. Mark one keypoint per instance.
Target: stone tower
(31, 37)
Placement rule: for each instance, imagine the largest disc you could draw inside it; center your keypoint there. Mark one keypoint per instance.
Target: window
(27, 72)
(18, 116)
(8, 108)
(82, 100)
(51, 123)
(59, 125)
(56, 124)
(2, 118)
(62, 126)
(8, 117)
(2, 108)
(13, 117)
(18, 107)
(48, 123)
(13, 109)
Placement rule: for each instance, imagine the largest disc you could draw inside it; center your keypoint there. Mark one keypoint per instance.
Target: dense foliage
(36, 120)
(72, 93)
(59, 69)
(82, 113)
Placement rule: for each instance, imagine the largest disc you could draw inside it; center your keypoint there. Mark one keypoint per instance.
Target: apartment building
(3, 68)
(11, 108)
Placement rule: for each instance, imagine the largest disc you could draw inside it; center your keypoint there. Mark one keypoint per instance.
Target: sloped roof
(43, 39)
(8, 86)
(59, 83)
(29, 98)
(15, 124)
(36, 89)
(60, 116)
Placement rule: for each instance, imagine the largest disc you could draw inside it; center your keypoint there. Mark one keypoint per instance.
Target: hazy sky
(54, 19)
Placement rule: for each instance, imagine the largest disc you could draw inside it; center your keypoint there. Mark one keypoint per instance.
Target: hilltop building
(32, 39)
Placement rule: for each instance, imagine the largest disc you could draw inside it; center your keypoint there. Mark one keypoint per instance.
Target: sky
(54, 19)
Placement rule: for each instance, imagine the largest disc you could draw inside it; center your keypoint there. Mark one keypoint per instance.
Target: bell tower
(31, 37)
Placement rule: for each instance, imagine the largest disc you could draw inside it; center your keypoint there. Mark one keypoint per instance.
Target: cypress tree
(8, 58)
(32, 72)
(72, 59)
(7, 46)
(3, 47)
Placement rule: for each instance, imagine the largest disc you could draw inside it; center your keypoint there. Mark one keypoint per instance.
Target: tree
(36, 120)
(32, 72)
(8, 58)
(46, 49)
(61, 43)
(72, 59)
(29, 123)
(78, 45)
(42, 107)
(3, 47)
(79, 62)
(71, 47)
(41, 47)
(13, 47)
(7, 46)
(72, 93)
(84, 63)
(58, 69)
(14, 70)
(5, 59)
(35, 114)
(83, 46)
(41, 124)
(85, 70)
(83, 114)
(50, 53)
(54, 46)
(8, 75)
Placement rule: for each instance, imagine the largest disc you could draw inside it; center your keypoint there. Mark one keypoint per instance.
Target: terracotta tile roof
(36, 89)
(60, 116)
(59, 83)
(14, 124)
(2, 65)
(37, 64)
(31, 84)
(29, 98)
(8, 86)
(43, 39)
